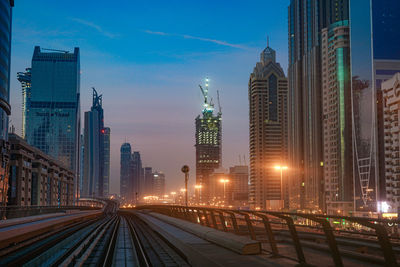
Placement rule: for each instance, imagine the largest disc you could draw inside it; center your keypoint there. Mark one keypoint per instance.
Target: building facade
(373, 60)
(53, 113)
(5, 108)
(268, 89)
(125, 177)
(391, 100)
(106, 133)
(337, 114)
(137, 177)
(239, 177)
(208, 144)
(159, 184)
(37, 179)
(148, 181)
(93, 179)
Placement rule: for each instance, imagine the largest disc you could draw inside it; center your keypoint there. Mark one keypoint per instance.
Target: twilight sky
(147, 60)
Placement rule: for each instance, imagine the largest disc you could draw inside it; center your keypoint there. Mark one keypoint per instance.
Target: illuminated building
(52, 121)
(337, 113)
(136, 177)
(148, 181)
(391, 100)
(5, 108)
(25, 78)
(159, 184)
(208, 143)
(268, 131)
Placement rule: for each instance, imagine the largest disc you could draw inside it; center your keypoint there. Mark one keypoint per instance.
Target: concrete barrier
(239, 244)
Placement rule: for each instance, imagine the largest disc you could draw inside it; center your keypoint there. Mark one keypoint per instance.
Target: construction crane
(208, 106)
(219, 104)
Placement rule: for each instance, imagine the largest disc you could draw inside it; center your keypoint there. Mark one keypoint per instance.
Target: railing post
(249, 225)
(206, 217)
(270, 234)
(214, 221)
(234, 222)
(222, 219)
(293, 233)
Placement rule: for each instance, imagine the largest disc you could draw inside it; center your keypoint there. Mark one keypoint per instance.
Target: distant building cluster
(138, 183)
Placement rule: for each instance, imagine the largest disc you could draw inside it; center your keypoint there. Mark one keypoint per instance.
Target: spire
(268, 54)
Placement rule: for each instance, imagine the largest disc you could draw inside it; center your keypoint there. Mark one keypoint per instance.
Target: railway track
(113, 240)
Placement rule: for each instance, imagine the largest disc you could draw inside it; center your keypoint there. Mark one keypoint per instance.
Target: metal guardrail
(229, 220)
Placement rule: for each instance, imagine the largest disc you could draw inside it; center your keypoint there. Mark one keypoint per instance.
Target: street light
(281, 169)
(185, 170)
(198, 187)
(224, 181)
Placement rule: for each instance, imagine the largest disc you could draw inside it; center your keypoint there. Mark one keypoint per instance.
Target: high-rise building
(268, 88)
(208, 144)
(53, 112)
(159, 183)
(93, 180)
(305, 122)
(125, 183)
(373, 60)
(136, 172)
(337, 112)
(25, 78)
(148, 181)
(391, 100)
(5, 108)
(81, 164)
(106, 169)
(239, 178)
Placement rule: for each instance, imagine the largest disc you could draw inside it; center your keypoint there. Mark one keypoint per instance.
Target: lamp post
(281, 169)
(185, 170)
(198, 187)
(224, 181)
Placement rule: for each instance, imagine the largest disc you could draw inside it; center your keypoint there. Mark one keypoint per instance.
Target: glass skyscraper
(125, 183)
(375, 57)
(52, 118)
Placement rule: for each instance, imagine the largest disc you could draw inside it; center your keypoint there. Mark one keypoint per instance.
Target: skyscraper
(305, 122)
(5, 109)
(159, 183)
(337, 112)
(239, 178)
(53, 113)
(106, 171)
(25, 78)
(125, 184)
(208, 143)
(148, 181)
(93, 184)
(268, 131)
(137, 177)
(373, 59)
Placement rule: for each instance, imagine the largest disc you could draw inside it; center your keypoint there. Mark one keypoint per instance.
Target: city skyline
(125, 50)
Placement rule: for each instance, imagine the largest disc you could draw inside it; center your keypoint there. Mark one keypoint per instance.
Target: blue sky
(147, 60)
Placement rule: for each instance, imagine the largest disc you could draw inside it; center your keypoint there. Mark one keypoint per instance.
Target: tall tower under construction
(208, 143)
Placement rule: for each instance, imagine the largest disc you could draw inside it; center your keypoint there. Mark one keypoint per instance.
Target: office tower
(25, 78)
(268, 132)
(148, 181)
(373, 59)
(305, 124)
(159, 184)
(106, 165)
(239, 177)
(136, 172)
(337, 113)
(125, 183)
(82, 164)
(93, 184)
(391, 112)
(53, 112)
(218, 184)
(208, 143)
(37, 179)
(5, 108)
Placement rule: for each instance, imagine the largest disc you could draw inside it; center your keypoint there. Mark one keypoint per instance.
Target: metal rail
(237, 221)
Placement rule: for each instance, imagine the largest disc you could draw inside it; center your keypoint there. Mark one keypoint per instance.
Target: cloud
(94, 26)
(186, 36)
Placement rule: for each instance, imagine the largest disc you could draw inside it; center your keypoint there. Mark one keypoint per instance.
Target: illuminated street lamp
(281, 169)
(224, 181)
(198, 187)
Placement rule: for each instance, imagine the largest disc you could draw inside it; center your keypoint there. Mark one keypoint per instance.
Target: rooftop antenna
(267, 41)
